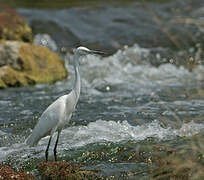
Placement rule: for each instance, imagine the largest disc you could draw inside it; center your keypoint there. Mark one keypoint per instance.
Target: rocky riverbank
(21, 62)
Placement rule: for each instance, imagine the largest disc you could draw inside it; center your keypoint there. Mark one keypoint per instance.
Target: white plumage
(52, 119)
(60, 111)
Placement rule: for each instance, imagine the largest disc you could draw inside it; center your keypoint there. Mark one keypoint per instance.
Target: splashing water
(104, 131)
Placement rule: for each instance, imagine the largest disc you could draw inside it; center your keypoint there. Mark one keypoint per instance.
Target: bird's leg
(46, 152)
(55, 148)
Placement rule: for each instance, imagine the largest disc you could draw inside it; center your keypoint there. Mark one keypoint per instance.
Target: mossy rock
(10, 77)
(62, 170)
(40, 64)
(6, 172)
(2, 84)
(26, 64)
(13, 26)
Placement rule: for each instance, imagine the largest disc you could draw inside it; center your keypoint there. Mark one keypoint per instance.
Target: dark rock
(62, 35)
(110, 28)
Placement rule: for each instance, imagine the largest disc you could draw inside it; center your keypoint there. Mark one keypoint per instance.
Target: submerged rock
(26, 64)
(64, 171)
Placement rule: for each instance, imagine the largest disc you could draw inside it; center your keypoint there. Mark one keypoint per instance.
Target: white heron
(60, 111)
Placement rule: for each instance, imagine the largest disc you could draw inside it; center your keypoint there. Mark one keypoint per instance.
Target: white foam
(129, 69)
(112, 131)
(101, 131)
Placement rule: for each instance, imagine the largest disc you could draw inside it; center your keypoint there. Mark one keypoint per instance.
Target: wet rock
(8, 173)
(62, 35)
(64, 171)
(26, 64)
(110, 28)
(177, 164)
(13, 26)
(162, 161)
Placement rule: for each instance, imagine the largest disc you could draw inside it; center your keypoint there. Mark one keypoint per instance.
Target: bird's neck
(76, 87)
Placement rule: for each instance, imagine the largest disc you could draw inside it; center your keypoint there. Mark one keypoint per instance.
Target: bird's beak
(96, 52)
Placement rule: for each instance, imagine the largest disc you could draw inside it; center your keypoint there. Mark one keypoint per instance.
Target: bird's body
(60, 111)
(53, 119)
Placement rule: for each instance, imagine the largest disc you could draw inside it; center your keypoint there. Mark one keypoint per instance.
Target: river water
(125, 102)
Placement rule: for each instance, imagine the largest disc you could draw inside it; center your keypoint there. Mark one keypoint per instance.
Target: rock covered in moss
(13, 26)
(64, 171)
(8, 173)
(2, 84)
(24, 64)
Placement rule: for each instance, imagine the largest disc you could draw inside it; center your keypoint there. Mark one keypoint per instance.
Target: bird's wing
(48, 121)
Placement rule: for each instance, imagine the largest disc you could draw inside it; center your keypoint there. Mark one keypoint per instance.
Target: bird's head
(84, 51)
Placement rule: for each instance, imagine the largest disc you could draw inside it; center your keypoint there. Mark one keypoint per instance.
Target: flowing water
(124, 102)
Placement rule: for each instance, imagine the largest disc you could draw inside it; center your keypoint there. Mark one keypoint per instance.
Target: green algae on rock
(13, 26)
(26, 64)
(62, 170)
